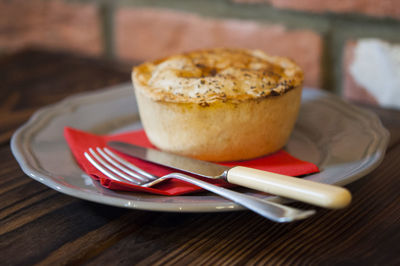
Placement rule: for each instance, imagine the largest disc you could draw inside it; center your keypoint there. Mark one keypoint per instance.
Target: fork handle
(323, 195)
(273, 211)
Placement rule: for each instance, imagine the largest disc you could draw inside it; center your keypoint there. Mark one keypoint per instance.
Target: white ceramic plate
(346, 142)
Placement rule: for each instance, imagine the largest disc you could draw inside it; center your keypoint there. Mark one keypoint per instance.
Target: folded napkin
(79, 142)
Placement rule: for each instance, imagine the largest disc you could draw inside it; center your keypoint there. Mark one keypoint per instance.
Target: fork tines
(117, 168)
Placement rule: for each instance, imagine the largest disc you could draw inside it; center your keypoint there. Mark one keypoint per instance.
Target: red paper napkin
(79, 142)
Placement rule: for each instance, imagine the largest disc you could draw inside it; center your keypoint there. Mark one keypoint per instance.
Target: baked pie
(219, 104)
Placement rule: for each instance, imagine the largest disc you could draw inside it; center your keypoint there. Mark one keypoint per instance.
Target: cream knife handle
(323, 195)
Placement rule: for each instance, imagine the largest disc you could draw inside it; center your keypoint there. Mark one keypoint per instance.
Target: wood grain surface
(41, 226)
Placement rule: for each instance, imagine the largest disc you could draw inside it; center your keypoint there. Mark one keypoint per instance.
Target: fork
(117, 168)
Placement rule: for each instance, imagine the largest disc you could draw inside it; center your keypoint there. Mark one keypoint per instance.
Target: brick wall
(330, 39)
(52, 24)
(377, 8)
(144, 33)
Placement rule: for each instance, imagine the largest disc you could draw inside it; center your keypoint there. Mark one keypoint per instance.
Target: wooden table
(41, 226)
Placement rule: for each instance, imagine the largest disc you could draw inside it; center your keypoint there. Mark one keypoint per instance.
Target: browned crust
(217, 75)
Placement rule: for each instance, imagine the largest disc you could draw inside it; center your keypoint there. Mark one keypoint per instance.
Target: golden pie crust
(219, 104)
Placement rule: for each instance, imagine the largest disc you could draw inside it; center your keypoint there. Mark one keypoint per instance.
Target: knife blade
(185, 164)
(323, 195)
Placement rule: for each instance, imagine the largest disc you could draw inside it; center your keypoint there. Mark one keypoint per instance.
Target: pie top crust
(215, 75)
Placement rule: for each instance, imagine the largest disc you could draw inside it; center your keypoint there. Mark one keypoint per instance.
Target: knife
(319, 194)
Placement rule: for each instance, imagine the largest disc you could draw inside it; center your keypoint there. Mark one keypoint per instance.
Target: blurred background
(348, 47)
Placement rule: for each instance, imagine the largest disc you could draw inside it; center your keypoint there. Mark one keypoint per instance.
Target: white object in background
(376, 67)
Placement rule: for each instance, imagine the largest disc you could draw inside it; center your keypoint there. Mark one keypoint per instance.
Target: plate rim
(24, 157)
